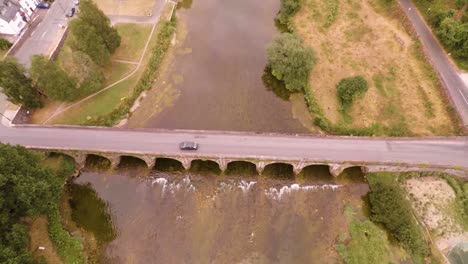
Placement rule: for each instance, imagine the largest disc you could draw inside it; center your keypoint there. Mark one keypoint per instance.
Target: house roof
(8, 10)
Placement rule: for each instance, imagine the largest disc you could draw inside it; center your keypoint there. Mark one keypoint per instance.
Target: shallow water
(187, 218)
(218, 78)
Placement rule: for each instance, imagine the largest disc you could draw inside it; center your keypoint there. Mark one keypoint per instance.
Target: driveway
(38, 40)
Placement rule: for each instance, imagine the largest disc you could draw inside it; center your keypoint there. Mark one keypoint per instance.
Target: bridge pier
(297, 167)
(186, 162)
(80, 160)
(337, 169)
(260, 167)
(150, 161)
(223, 163)
(114, 160)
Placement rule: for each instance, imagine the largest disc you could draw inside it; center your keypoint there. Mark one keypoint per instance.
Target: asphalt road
(447, 151)
(38, 40)
(457, 89)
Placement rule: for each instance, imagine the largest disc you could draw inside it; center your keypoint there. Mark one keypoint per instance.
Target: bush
(350, 88)
(287, 11)
(146, 81)
(291, 61)
(390, 208)
(5, 44)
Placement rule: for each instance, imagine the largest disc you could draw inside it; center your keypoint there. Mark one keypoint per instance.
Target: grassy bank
(366, 243)
(390, 208)
(362, 38)
(68, 248)
(163, 42)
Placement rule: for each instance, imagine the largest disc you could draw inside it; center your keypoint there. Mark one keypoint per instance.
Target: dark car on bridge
(188, 145)
(43, 5)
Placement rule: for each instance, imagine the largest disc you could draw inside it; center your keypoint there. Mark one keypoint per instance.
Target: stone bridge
(260, 164)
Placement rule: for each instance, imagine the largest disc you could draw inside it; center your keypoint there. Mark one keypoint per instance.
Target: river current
(189, 218)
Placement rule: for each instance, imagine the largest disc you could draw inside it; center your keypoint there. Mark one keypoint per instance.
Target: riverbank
(366, 38)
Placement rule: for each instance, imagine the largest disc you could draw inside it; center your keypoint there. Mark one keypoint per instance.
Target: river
(186, 217)
(215, 80)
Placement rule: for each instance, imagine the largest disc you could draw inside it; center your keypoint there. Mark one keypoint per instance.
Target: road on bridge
(446, 152)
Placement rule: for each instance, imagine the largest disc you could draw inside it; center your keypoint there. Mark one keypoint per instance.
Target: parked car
(43, 5)
(70, 12)
(188, 145)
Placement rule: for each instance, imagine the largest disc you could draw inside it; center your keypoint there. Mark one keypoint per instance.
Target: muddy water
(185, 218)
(217, 72)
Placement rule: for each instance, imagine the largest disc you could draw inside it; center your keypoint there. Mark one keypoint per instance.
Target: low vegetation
(287, 11)
(365, 243)
(4, 44)
(389, 207)
(30, 189)
(460, 188)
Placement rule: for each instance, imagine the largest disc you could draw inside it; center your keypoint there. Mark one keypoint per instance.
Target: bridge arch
(168, 164)
(279, 170)
(316, 171)
(241, 167)
(149, 162)
(205, 166)
(99, 161)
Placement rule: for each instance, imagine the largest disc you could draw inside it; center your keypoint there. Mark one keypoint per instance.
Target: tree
(26, 190)
(290, 61)
(87, 40)
(16, 85)
(90, 13)
(87, 74)
(350, 88)
(454, 35)
(51, 79)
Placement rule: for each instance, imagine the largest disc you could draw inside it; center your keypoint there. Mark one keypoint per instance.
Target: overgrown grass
(145, 82)
(332, 12)
(68, 248)
(366, 242)
(461, 191)
(389, 207)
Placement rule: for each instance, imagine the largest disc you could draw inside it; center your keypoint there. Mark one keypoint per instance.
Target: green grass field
(134, 37)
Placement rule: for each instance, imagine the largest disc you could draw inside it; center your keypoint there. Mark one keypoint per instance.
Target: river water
(184, 217)
(216, 81)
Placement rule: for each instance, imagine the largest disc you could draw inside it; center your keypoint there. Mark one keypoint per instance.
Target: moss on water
(90, 212)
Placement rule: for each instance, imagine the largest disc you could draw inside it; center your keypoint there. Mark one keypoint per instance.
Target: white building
(14, 14)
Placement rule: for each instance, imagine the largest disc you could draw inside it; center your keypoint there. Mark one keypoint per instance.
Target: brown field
(126, 7)
(39, 237)
(403, 90)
